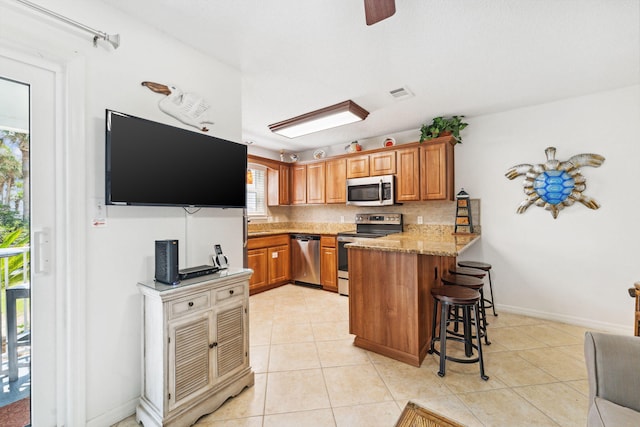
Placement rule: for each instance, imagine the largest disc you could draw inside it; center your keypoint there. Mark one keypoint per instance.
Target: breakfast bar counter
(390, 282)
(448, 245)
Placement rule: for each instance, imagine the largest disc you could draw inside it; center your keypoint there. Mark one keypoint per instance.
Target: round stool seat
(466, 271)
(460, 280)
(475, 264)
(455, 295)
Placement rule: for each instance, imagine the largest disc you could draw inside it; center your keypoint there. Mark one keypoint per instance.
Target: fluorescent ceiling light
(326, 118)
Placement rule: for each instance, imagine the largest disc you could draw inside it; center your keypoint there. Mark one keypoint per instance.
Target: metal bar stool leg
(493, 307)
(443, 339)
(480, 359)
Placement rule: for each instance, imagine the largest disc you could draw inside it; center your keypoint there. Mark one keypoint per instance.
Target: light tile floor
(308, 373)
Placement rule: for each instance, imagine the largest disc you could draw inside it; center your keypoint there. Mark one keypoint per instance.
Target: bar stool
(467, 299)
(476, 284)
(484, 267)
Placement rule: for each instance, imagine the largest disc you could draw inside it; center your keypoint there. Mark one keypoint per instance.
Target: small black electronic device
(197, 271)
(219, 259)
(167, 262)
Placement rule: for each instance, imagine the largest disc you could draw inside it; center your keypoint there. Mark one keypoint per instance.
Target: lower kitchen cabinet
(257, 260)
(195, 346)
(270, 259)
(279, 264)
(328, 263)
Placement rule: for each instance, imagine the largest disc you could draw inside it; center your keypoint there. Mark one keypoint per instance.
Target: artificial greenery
(439, 125)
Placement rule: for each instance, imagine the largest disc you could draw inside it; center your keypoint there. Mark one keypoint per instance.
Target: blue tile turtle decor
(554, 184)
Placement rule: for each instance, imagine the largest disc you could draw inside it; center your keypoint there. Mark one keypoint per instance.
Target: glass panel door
(15, 295)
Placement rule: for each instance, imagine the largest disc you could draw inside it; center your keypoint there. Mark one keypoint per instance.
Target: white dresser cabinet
(195, 347)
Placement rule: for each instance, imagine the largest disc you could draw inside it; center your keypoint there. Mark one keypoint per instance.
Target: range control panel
(379, 218)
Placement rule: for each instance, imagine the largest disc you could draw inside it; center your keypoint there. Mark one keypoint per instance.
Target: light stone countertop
(270, 229)
(446, 244)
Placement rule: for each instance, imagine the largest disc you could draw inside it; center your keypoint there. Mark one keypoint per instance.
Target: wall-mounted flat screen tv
(150, 163)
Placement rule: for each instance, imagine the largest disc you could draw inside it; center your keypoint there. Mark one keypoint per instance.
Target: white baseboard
(571, 320)
(115, 415)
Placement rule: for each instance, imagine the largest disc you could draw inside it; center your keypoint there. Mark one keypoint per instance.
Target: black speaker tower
(167, 262)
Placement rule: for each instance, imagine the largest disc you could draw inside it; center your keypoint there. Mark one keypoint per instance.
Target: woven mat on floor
(416, 416)
(16, 414)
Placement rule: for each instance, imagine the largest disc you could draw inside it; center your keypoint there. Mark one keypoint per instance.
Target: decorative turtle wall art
(554, 184)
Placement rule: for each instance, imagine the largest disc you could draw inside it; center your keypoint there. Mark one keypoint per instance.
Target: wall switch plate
(342, 219)
(420, 219)
(99, 214)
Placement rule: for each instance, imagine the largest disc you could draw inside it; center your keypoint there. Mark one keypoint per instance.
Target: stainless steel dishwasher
(305, 259)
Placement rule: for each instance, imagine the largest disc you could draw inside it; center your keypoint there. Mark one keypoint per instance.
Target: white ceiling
(469, 57)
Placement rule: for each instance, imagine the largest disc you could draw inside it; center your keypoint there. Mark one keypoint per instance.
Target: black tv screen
(149, 163)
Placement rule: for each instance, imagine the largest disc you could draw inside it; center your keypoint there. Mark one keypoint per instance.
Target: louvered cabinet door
(231, 339)
(190, 358)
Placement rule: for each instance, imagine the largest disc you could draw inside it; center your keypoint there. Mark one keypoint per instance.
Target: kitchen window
(256, 191)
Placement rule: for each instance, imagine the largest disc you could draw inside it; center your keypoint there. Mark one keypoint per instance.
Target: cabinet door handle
(190, 303)
(215, 344)
(231, 291)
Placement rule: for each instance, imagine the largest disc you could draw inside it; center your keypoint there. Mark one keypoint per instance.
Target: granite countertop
(271, 229)
(445, 244)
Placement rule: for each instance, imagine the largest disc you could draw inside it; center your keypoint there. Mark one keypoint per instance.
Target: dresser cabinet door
(230, 343)
(190, 358)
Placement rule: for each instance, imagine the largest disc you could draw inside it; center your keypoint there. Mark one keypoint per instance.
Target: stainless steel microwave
(371, 191)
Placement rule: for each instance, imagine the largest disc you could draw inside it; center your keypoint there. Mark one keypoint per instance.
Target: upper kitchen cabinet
(436, 170)
(278, 184)
(408, 174)
(336, 180)
(358, 166)
(374, 164)
(298, 184)
(383, 163)
(316, 183)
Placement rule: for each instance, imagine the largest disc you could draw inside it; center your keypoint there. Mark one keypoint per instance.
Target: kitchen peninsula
(390, 282)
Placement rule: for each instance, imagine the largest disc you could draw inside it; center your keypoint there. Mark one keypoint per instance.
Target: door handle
(41, 254)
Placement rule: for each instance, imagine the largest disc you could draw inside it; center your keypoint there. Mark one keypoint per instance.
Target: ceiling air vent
(401, 93)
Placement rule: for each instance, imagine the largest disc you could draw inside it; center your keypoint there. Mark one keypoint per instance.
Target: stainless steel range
(371, 226)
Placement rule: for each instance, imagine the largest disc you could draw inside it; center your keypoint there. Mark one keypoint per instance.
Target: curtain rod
(113, 39)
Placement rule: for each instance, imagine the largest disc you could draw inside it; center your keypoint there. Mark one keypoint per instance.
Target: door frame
(69, 233)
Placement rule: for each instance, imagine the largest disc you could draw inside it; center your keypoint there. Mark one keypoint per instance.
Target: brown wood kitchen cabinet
(383, 163)
(328, 263)
(278, 183)
(270, 259)
(257, 261)
(336, 180)
(436, 170)
(408, 174)
(315, 183)
(390, 304)
(298, 184)
(358, 166)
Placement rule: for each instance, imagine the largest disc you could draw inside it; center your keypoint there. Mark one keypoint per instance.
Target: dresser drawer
(225, 294)
(189, 304)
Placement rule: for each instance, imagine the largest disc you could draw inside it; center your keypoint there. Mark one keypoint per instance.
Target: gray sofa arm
(613, 370)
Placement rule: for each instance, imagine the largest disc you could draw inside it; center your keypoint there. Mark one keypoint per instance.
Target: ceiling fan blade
(377, 10)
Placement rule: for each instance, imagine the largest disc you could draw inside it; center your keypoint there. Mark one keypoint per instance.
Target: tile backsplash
(432, 213)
